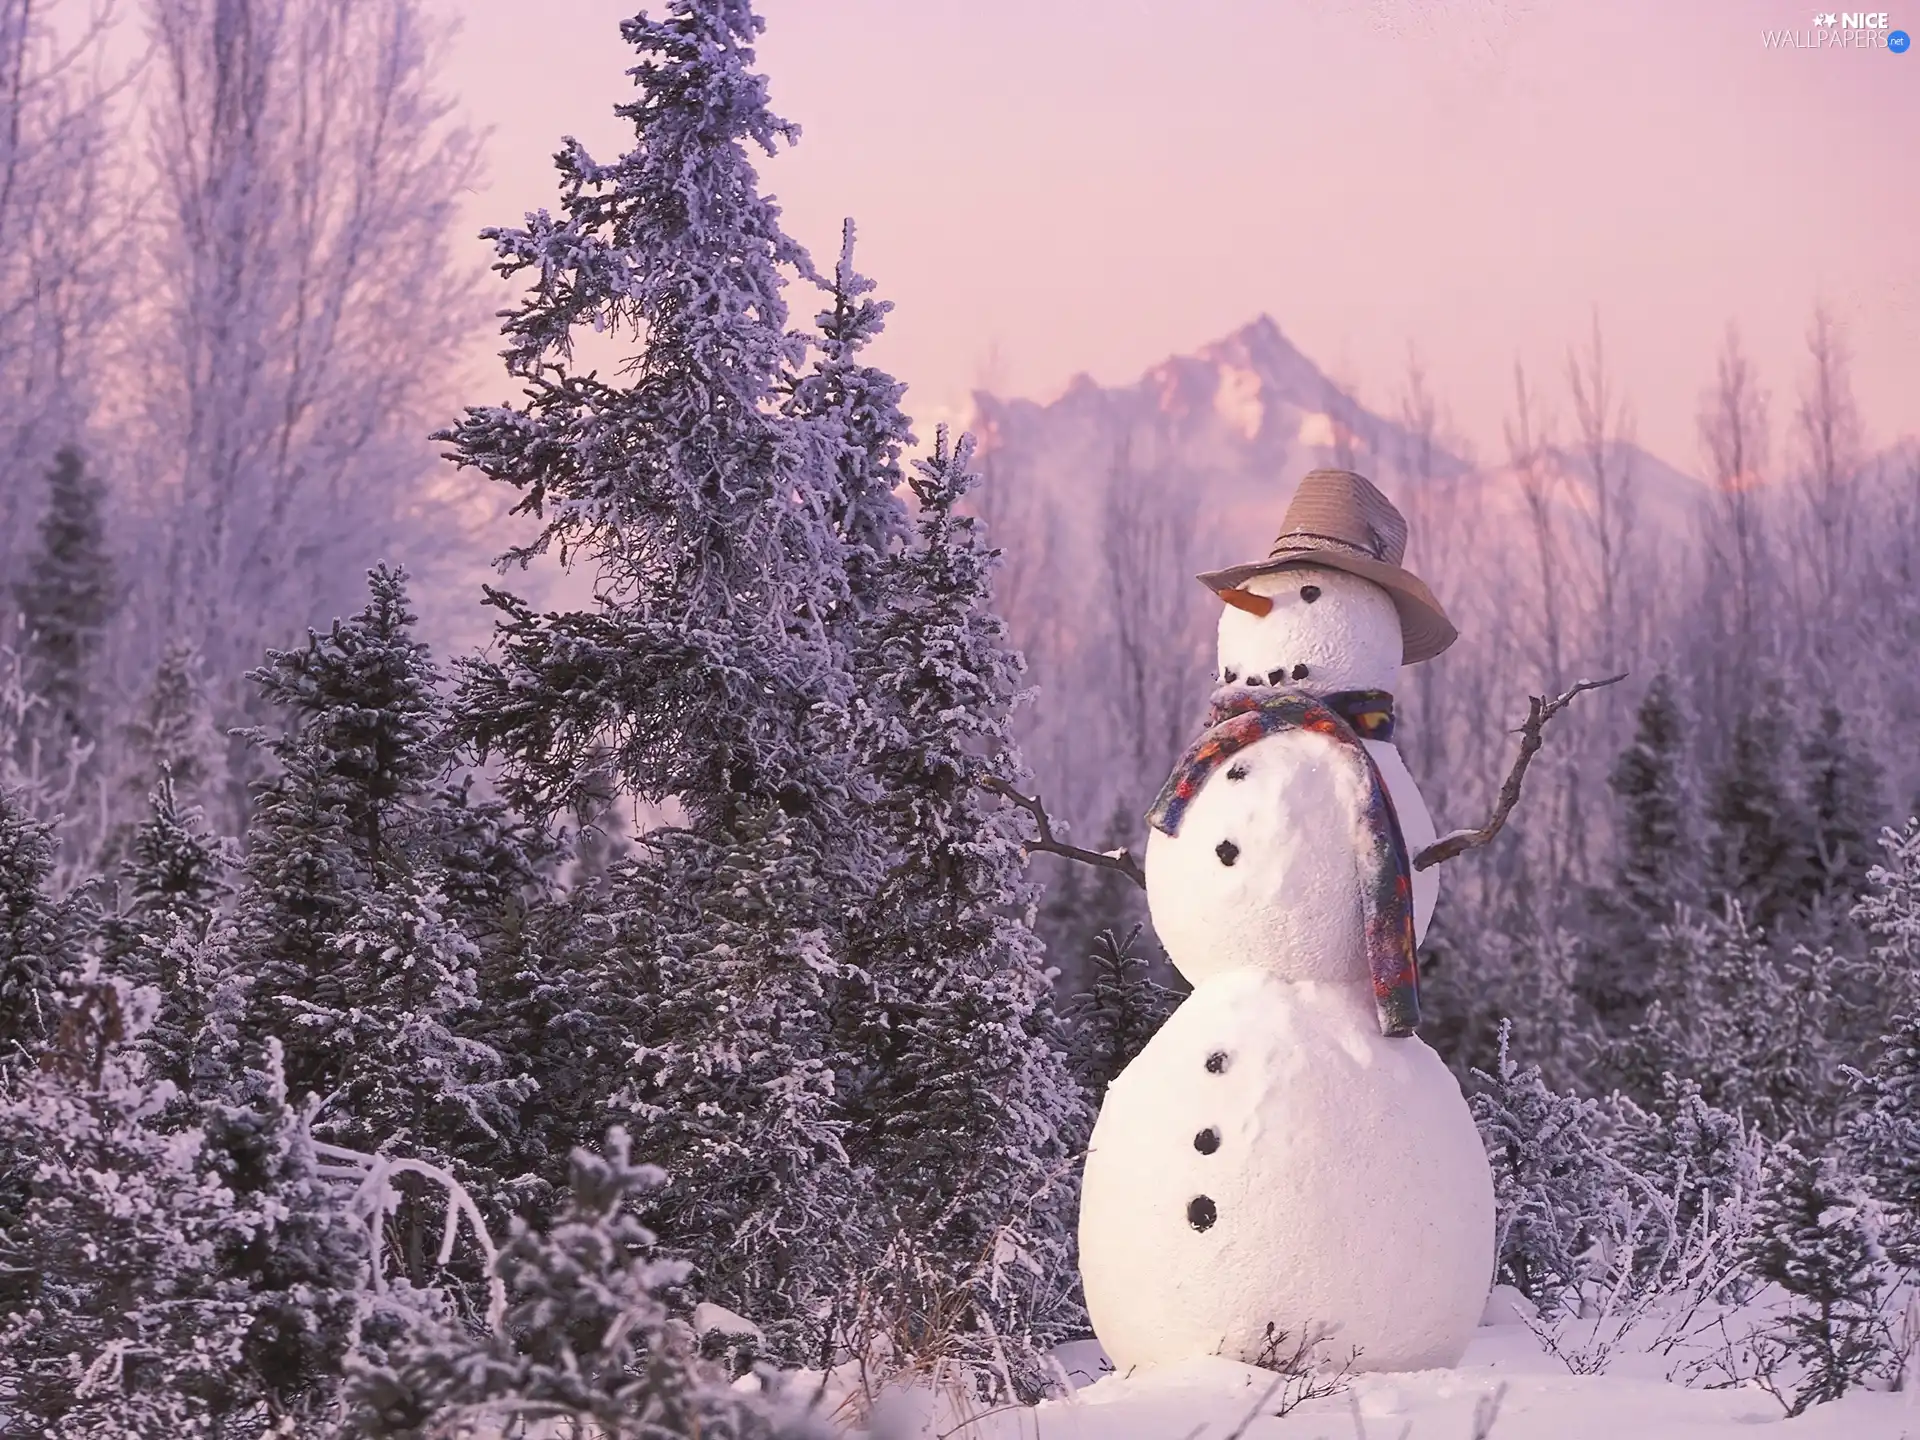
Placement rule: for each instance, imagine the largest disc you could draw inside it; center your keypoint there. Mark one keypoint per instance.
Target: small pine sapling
(586, 1338)
(1111, 1021)
(1816, 1237)
(1550, 1180)
(198, 1280)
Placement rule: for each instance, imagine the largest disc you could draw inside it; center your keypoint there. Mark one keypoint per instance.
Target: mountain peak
(1260, 346)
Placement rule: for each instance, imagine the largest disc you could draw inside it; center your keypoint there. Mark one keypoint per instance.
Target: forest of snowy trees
(610, 1025)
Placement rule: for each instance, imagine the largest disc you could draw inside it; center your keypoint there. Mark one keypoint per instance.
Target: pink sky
(1052, 186)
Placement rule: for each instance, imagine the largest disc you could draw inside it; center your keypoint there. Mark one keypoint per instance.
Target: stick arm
(1532, 735)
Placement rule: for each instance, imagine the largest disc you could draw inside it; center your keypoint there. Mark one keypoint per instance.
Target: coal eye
(1309, 593)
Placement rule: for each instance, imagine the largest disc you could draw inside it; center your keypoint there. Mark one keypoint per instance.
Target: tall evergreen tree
(1656, 868)
(964, 1110)
(717, 495)
(172, 731)
(342, 941)
(1841, 781)
(1757, 849)
(1656, 857)
(30, 936)
(705, 669)
(65, 602)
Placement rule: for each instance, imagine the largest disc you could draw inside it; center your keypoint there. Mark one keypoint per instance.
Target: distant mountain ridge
(1240, 420)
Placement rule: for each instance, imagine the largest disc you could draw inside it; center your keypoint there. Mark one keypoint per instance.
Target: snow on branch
(1539, 711)
(1045, 842)
(375, 1200)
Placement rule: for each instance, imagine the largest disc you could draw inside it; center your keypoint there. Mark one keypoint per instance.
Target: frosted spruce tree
(343, 944)
(965, 1112)
(737, 502)
(68, 596)
(704, 670)
(1842, 799)
(31, 931)
(955, 1097)
(1883, 1136)
(1757, 841)
(172, 881)
(710, 672)
(1657, 869)
(1816, 1237)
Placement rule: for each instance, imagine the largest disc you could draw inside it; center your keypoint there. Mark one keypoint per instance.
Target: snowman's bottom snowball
(1345, 1187)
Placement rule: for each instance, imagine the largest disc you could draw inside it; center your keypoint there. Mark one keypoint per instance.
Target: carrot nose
(1246, 600)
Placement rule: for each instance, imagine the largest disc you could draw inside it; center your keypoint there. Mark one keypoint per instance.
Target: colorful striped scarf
(1241, 716)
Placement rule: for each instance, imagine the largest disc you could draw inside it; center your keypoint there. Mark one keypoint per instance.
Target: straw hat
(1339, 520)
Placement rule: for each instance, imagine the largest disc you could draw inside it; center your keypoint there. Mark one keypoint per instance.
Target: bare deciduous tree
(1828, 474)
(1530, 456)
(1156, 631)
(61, 252)
(1356, 439)
(1733, 433)
(308, 310)
(1605, 435)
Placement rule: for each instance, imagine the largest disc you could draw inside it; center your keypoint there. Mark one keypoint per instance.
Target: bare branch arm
(1045, 844)
(1539, 711)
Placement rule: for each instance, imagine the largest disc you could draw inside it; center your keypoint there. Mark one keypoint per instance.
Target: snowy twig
(1258, 1406)
(1486, 1410)
(1539, 711)
(374, 1201)
(1046, 844)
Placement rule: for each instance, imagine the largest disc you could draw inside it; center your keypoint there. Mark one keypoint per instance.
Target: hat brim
(1425, 630)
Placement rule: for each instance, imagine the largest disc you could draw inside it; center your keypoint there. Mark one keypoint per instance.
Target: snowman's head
(1324, 631)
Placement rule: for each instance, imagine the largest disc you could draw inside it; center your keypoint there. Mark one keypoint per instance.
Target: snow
(1239, 400)
(711, 1319)
(1529, 1395)
(1210, 1399)
(1348, 1185)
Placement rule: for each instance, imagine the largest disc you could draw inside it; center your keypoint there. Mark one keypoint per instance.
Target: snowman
(1286, 1158)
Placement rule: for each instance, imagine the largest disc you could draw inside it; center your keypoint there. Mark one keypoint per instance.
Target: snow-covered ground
(1214, 1399)
(1506, 1388)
